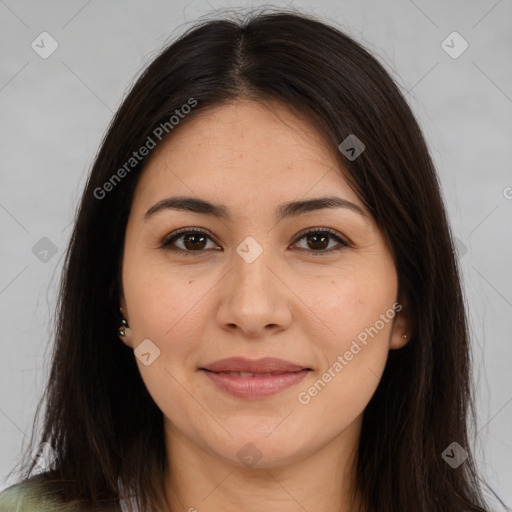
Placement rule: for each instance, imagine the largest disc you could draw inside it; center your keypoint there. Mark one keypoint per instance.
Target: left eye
(194, 241)
(317, 238)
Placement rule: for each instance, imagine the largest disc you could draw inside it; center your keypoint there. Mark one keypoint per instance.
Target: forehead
(242, 153)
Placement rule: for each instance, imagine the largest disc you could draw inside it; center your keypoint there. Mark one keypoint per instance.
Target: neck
(323, 481)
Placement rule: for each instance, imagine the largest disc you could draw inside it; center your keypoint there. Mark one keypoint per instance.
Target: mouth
(270, 365)
(249, 374)
(254, 379)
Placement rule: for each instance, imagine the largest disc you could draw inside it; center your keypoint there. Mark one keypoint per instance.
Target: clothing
(27, 498)
(36, 496)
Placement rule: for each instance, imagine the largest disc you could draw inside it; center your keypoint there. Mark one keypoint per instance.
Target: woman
(260, 307)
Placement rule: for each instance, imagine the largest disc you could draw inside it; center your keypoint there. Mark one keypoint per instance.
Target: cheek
(159, 297)
(357, 308)
(351, 304)
(170, 308)
(163, 305)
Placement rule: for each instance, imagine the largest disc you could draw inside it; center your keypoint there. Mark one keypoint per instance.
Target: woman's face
(257, 286)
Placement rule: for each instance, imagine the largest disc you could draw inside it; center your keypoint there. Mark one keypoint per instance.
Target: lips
(270, 365)
(248, 374)
(254, 379)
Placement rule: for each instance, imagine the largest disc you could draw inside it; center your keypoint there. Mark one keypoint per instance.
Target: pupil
(192, 238)
(323, 239)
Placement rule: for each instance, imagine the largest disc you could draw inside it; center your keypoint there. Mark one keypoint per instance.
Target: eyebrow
(283, 211)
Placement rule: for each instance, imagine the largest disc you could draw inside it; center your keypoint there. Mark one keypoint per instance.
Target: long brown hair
(100, 419)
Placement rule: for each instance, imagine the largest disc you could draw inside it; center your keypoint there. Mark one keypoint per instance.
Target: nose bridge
(251, 264)
(254, 297)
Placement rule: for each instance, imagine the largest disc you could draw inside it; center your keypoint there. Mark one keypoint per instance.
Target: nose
(255, 298)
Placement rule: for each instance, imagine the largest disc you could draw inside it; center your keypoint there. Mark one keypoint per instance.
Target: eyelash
(166, 244)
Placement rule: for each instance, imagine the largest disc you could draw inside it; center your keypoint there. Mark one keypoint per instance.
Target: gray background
(54, 112)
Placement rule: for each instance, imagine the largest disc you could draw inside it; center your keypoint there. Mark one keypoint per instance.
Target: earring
(122, 329)
(405, 336)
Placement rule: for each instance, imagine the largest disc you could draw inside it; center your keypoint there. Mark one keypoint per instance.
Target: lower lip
(255, 387)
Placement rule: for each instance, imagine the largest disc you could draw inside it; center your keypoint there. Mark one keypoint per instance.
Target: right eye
(193, 241)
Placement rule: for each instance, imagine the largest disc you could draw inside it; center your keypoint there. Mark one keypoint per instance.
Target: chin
(254, 450)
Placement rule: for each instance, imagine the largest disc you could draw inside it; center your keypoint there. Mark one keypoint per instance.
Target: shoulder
(28, 496)
(35, 495)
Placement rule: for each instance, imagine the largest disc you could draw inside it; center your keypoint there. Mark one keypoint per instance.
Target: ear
(401, 331)
(122, 306)
(128, 338)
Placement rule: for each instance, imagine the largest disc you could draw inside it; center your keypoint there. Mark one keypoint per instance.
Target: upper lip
(264, 365)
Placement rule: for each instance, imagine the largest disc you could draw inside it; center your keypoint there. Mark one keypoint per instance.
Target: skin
(289, 302)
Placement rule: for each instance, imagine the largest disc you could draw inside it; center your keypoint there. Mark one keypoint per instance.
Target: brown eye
(192, 241)
(317, 241)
